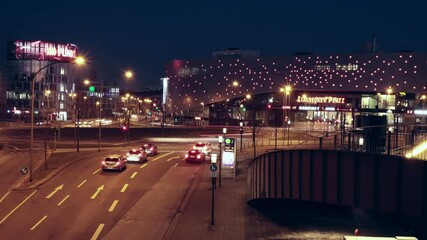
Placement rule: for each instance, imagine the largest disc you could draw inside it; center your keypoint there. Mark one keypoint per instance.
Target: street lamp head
(241, 124)
(47, 93)
(86, 82)
(288, 89)
(235, 83)
(224, 130)
(80, 60)
(389, 90)
(248, 96)
(128, 74)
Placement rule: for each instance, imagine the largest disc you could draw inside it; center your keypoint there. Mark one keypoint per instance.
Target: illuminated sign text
(39, 50)
(315, 100)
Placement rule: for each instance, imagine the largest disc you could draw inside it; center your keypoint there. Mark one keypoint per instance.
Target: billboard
(39, 50)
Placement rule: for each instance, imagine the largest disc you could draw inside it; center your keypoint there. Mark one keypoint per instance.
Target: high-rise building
(53, 84)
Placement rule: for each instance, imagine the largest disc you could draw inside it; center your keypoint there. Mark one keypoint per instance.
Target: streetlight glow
(128, 74)
(80, 60)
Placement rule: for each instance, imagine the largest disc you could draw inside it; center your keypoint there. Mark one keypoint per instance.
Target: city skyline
(144, 37)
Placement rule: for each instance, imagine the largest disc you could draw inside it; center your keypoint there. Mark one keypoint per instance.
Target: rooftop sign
(315, 100)
(39, 50)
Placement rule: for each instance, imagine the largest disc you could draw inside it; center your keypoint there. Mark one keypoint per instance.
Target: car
(195, 156)
(113, 162)
(150, 149)
(136, 155)
(204, 147)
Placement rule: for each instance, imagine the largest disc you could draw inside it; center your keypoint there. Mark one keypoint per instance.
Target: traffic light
(269, 106)
(124, 128)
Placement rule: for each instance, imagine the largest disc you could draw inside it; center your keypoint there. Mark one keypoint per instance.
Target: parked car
(195, 156)
(113, 162)
(136, 155)
(150, 149)
(204, 147)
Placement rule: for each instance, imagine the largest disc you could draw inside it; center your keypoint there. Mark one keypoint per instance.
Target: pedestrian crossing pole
(213, 167)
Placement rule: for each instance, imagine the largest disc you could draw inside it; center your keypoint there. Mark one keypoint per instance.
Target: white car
(135, 155)
(203, 147)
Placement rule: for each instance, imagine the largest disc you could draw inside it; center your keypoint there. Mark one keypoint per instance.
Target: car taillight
(199, 156)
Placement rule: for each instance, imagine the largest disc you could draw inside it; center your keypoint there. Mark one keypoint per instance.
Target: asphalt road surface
(74, 203)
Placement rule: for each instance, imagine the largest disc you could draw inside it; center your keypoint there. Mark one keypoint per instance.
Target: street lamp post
(79, 61)
(47, 93)
(241, 136)
(224, 131)
(99, 103)
(220, 140)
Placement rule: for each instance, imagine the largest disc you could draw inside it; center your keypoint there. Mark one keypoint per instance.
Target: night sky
(144, 35)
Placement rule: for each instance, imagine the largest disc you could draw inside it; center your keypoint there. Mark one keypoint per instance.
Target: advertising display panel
(40, 50)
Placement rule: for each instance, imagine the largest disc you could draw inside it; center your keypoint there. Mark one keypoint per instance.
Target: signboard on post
(228, 163)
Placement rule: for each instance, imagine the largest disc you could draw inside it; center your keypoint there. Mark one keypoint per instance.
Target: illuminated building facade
(371, 83)
(53, 84)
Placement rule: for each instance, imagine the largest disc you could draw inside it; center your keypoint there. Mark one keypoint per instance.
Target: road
(83, 202)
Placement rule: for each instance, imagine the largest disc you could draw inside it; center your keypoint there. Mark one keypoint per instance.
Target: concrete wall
(381, 183)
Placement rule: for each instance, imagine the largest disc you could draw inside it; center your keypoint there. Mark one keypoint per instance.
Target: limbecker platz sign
(39, 50)
(315, 100)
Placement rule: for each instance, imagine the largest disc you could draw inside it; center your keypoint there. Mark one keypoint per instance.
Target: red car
(113, 162)
(195, 156)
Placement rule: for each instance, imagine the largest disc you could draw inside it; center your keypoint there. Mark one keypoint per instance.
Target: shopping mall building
(237, 85)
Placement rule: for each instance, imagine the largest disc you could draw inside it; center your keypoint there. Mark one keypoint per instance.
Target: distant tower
(374, 42)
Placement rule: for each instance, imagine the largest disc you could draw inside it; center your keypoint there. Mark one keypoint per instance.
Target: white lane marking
(97, 232)
(143, 166)
(81, 184)
(63, 200)
(164, 155)
(113, 205)
(41, 220)
(172, 158)
(11, 212)
(124, 187)
(176, 164)
(99, 169)
(1, 200)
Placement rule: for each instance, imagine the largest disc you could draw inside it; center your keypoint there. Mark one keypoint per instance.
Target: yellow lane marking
(8, 215)
(41, 220)
(1, 200)
(172, 158)
(97, 232)
(63, 200)
(176, 164)
(183, 159)
(157, 158)
(99, 169)
(113, 205)
(81, 184)
(97, 191)
(124, 187)
(54, 191)
(143, 166)
(134, 174)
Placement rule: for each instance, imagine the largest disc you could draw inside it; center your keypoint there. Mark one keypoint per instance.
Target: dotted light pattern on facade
(218, 79)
